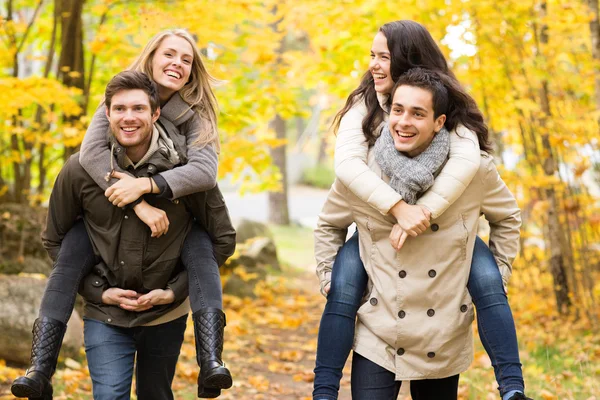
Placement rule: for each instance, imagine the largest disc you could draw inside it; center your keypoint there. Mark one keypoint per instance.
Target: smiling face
(380, 64)
(131, 121)
(412, 122)
(172, 65)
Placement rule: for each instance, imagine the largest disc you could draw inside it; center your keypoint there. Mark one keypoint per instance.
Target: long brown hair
(411, 46)
(197, 92)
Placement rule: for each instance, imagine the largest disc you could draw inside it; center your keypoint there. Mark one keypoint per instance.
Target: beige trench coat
(416, 320)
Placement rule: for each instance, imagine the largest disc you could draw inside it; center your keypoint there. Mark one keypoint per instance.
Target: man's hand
(413, 219)
(126, 299)
(398, 237)
(154, 217)
(327, 288)
(157, 297)
(127, 189)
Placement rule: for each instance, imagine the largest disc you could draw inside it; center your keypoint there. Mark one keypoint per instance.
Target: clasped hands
(412, 221)
(129, 189)
(130, 300)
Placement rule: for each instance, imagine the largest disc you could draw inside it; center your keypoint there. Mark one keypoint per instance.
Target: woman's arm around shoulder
(457, 174)
(351, 148)
(200, 172)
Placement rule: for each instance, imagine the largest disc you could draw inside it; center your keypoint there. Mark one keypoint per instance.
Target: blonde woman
(187, 101)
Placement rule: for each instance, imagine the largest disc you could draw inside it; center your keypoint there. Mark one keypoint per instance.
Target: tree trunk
(278, 201)
(557, 250)
(595, 35)
(71, 63)
(40, 112)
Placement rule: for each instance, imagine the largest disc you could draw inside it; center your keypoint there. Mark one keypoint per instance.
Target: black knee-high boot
(48, 335)
(209, 324)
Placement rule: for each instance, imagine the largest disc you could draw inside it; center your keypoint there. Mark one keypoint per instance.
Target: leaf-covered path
(271, 341)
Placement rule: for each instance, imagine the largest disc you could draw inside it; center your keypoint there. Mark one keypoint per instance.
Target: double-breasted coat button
(435, 227)
(431, 354)
(432, 273)
(402, 274)
(127, 217)
(464, 308)
(401, 314)
(400, 351)
(122, 262)
(373, 301)
(431, 312)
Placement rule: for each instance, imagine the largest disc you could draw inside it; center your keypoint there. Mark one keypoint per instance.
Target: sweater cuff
(163, 186)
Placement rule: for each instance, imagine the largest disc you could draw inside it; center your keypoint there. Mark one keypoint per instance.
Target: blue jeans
(372, 382)
(111, 351)
(348, 282)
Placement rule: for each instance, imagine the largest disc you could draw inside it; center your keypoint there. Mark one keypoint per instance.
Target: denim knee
(349, 278)
(485, 278)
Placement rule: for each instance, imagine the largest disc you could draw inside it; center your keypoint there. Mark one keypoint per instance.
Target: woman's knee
(484, 277)
(349, 278)
(76, 246)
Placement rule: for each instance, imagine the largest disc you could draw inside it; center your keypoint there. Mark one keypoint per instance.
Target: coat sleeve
(64, 208)
(331, 231)
(95, 155)
(456, 175)
(350, 158)
(179, 284)
(501, 210)
(91, 288)
(200, 172)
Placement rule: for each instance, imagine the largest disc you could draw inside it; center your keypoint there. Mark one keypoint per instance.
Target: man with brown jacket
(132, 263)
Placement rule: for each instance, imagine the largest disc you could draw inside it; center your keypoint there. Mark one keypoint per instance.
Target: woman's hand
(127, 190)
(155, 218)
(413, 219)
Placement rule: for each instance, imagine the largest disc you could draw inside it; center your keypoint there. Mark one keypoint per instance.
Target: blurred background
(286, 67)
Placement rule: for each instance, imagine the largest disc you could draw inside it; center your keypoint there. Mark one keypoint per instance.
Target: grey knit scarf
(411, 176)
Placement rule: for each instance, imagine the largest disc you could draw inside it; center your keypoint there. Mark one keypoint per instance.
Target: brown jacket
(416, 319)
(128, 257)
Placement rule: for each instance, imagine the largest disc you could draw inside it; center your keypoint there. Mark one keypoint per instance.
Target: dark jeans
(76, 259)
(199, 260)
(113, 351)
(372, 382)
(348, 282)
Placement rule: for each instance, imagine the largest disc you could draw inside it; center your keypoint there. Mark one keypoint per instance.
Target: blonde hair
(197, 92)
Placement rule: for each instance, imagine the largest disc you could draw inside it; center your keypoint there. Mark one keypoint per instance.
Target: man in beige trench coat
(415, 323)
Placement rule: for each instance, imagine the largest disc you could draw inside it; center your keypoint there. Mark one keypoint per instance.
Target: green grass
(295, 246)
(321, 176)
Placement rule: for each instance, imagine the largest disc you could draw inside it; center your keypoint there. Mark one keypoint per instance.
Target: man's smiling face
(131, 119)
(412, 122)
